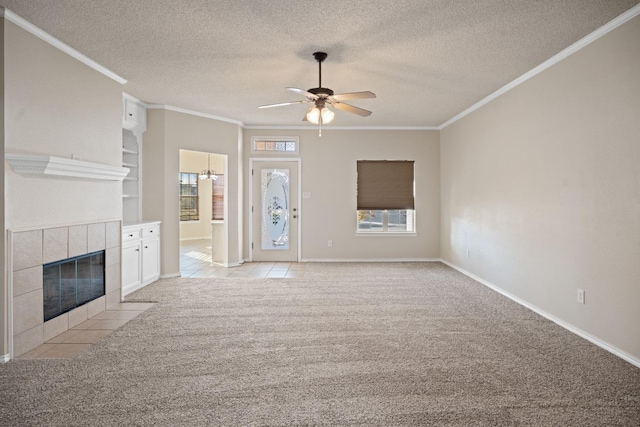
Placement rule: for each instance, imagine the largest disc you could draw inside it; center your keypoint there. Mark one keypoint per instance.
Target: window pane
(370, 220)
(188, 196)
(397, 220)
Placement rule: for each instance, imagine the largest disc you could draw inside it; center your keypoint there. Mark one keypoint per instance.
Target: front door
(274, 211)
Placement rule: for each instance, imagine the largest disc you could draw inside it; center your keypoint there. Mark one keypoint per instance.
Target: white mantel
(57, 166)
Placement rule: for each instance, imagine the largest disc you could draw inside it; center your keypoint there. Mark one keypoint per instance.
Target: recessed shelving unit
(134, 123)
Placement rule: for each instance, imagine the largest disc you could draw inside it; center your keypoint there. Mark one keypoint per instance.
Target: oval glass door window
(275, 209)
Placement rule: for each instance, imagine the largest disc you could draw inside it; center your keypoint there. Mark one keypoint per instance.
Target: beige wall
(329, 174)
(542, 186)
(196, 162)
(4, 287)
(167, 133)
(55, 105)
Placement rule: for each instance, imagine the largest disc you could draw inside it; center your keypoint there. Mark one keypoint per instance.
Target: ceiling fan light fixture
(316, 114)
(327, 115)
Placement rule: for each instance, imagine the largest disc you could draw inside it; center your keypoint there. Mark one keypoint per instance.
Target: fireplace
(59, 277)
(72, 282)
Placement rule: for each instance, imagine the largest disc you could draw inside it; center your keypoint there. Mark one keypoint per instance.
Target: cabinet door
(131, 266)
(150, 259)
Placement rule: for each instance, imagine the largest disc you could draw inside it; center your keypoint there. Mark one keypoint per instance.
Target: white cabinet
(140, 255)
(134, 114)
(131, 266)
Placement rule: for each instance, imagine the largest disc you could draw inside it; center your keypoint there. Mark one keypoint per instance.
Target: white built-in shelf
(128, 151)
(29, 164)
(129, 165)
(130, 196)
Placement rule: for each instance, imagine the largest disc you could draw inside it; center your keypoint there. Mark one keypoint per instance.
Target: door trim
(256, 160)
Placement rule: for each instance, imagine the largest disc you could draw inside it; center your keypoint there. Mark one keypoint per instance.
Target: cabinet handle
(150, 231)
(137, 250)
(146, 247)
(130, 114)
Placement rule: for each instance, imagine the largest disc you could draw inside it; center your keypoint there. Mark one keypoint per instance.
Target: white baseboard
(227, 265)
(5, 358)
(602, 344)
(170, 275)
(370, 260)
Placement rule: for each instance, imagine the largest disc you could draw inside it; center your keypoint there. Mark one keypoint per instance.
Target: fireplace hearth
(60, 277)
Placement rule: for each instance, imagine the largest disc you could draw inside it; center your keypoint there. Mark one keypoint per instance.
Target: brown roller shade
(385, 184)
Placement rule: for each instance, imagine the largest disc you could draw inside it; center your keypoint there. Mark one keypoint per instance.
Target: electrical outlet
(581, 296)
(330, 243)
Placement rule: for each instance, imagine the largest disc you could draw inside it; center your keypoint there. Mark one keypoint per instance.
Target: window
(188, 196)
(217, 198)
(385, 196)
(281, 145)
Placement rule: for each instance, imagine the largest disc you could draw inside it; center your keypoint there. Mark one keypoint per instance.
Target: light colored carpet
(403, 344)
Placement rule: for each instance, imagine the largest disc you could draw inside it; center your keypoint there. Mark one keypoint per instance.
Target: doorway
(275, 210)
(203, 211)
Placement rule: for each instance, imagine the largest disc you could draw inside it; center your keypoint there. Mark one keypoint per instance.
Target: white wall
(55, 105)
(329, 174)
(542, 186)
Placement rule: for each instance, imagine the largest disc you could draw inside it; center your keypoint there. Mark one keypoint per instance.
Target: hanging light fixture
(320, 114)
(320, 111)
(208, 174)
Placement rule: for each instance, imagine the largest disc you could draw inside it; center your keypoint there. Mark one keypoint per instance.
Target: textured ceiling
(426, 60)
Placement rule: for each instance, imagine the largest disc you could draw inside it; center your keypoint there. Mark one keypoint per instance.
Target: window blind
(385, 184)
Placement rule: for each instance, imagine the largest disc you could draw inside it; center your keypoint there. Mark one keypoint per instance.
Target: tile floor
(195, 261)
(72, 342)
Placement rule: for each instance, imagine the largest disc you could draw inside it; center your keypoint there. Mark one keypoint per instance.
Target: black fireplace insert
(72, 282)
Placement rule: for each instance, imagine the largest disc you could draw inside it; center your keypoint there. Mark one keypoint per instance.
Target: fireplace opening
(72, 282)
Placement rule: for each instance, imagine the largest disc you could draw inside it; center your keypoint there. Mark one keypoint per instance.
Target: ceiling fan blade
(283, 103)
(303, 92)
(351, 109)
(353, 95)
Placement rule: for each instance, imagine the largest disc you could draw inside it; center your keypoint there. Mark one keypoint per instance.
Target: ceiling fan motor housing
(320, 56)
(321, 91)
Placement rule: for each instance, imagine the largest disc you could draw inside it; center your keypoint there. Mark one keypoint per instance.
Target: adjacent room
(320, 213)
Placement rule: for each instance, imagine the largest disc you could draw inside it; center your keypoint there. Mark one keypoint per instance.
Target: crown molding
(29, 27)
(28, 164)
(194, 113)
(125, 95)
(315, 127)
(585, 41)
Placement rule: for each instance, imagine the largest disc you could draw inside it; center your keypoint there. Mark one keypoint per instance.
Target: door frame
(252, 163)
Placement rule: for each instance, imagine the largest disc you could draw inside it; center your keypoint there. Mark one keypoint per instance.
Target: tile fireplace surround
(29, 250)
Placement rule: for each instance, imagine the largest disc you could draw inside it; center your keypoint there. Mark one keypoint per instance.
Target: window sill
(386, 234)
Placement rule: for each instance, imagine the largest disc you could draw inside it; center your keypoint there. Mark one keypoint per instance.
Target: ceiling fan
(322, 97)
